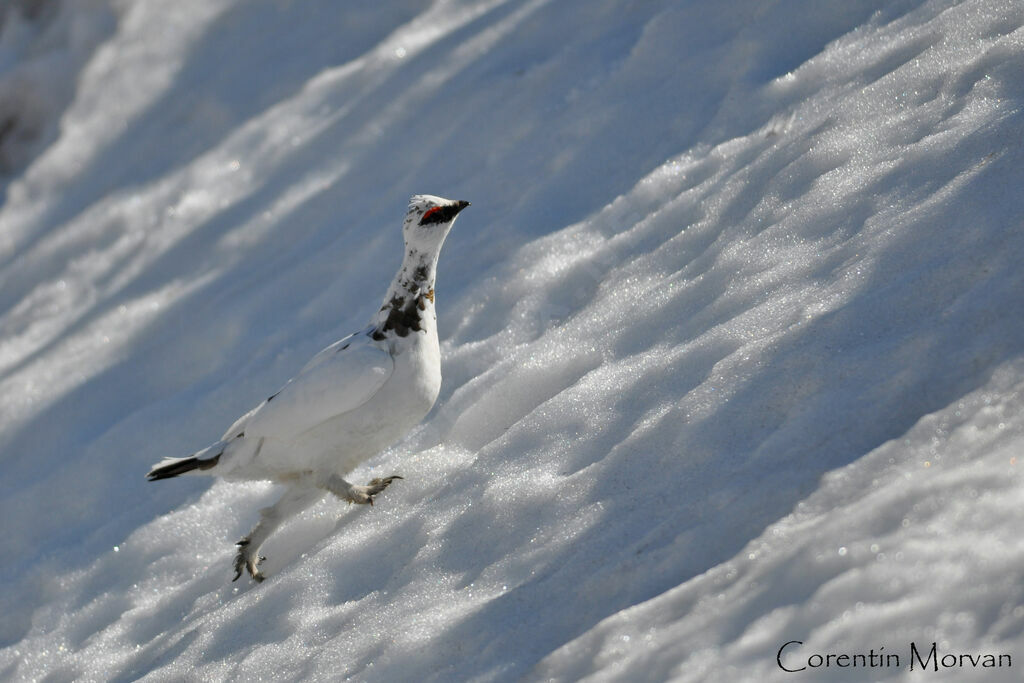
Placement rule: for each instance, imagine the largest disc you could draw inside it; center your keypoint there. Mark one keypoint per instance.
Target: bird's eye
(433, 215)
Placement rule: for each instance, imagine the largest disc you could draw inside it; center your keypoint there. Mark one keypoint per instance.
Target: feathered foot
(360, 495)
(246, 560)
(294, 500)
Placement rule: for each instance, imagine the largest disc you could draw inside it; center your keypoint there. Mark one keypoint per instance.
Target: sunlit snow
(732, 337)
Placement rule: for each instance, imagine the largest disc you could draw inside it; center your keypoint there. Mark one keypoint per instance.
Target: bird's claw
(364, 495)
(377, 485)
(245, 561)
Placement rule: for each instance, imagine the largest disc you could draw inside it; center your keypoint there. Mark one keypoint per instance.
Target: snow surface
(733, 334)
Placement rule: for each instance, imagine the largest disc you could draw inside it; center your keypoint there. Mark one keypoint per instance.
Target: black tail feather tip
(181, 467)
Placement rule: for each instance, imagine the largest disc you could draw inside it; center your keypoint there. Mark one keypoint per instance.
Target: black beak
(444, 213)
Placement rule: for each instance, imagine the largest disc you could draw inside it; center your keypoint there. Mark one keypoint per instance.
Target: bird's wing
(337, 380)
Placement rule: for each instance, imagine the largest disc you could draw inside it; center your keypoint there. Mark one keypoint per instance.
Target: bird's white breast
(339, 444)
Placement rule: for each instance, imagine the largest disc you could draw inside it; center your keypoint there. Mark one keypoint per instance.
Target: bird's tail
(172, 467)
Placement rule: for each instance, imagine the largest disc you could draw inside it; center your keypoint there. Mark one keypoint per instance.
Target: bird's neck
(408, 306)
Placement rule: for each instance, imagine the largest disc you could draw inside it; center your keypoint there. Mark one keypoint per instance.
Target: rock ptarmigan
(353, 399)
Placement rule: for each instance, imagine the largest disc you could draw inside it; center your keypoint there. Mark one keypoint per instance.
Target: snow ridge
(731, 357)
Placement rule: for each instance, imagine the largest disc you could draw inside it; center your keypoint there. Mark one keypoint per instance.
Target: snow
(731, 334)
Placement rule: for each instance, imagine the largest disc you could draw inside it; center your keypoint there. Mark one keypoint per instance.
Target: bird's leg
(295, 500)
(360, 495)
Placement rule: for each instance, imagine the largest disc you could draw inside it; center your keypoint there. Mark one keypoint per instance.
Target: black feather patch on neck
(403, 317)
(407, 305)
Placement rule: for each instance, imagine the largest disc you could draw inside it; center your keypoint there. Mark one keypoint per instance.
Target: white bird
(353, 399)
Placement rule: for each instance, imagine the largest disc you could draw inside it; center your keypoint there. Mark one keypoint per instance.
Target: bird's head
(429, 219)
